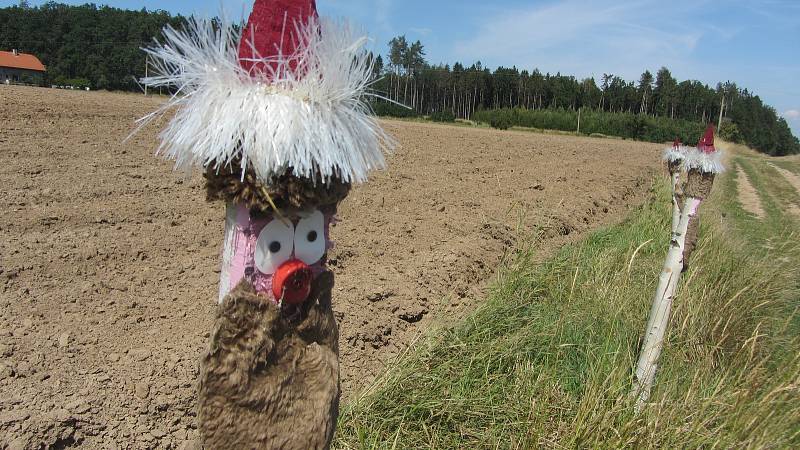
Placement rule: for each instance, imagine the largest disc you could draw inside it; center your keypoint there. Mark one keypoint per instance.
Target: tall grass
(624, 125)
(547, 361)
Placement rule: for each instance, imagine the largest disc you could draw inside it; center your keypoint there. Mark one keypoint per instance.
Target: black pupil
(312, 236)
(275, 247)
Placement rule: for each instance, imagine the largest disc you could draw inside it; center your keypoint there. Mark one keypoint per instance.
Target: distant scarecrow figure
(275, 114)
(702, 165)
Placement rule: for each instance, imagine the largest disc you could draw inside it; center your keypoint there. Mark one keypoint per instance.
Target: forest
(100, 47)
(512, 97)
(89, 45)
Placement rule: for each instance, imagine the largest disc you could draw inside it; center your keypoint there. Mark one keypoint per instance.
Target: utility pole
(721, 111)
(579, 119)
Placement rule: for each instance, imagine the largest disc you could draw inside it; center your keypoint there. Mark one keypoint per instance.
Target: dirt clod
(139, 354)
(64, 340)
(142, 390)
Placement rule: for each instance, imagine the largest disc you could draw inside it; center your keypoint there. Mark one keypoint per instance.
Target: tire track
(794, 181)
(748, 195)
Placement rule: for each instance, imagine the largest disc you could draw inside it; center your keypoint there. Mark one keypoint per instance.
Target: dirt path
(748, 196)
(109, 260)
(794, 180)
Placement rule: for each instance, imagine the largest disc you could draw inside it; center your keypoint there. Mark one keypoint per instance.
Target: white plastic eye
(309, 237)
(274, 246)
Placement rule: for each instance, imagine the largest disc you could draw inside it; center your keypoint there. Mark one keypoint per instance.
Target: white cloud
(792, 115)
(584, 37)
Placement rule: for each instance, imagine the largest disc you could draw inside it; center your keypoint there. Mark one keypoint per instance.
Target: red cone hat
(706, 144)
(272, 31)
(705, 158)
(675, 154)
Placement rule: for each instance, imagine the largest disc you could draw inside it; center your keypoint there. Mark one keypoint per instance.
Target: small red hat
(706, 144)
(272, 31)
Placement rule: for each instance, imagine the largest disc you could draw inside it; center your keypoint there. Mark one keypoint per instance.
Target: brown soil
(109, 260)
(748, 196)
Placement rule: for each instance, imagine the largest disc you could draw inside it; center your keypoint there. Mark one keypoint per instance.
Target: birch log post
(656, 330)
(228, 250)
(676, 200)
(674, 158)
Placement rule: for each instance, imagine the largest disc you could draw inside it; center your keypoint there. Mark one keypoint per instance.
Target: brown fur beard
(284, 192)
(674, 166)
(692, 234)
(698, 185)
(271, 381)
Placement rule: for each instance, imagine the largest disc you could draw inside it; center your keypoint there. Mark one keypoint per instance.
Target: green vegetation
(80, 83)
(624, 125)
(386, 109)
(443, 116)
(547, 360)
(501, 120)
(90, 46)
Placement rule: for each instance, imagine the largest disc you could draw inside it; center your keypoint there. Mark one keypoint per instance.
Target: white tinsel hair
(704, 162)
(675, 154)
(308, 113)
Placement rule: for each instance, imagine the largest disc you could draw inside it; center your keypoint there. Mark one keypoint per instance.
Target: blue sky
(755, 43)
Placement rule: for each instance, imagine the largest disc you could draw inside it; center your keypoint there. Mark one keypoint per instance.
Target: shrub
(387, 109)
(502, 119)
(622, 125)
(443, 116)
(730, 132)
(79, 83)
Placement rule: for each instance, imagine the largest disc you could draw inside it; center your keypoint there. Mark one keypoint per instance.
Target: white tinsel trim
(675, 154)
(704, 162)
(312, 117)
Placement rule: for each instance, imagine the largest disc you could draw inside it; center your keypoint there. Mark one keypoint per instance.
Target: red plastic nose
(292, 282)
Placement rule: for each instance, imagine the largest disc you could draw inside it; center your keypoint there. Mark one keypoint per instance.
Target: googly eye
(309, 237)
(274, 246)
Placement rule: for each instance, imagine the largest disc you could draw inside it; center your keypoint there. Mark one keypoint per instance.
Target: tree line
(100, 47)
(405, 77)
(87, 45)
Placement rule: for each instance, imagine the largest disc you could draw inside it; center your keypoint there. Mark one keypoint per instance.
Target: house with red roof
(16, 67)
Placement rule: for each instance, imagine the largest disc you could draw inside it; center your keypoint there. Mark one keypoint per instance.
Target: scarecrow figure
(275, 114)
(702, 165)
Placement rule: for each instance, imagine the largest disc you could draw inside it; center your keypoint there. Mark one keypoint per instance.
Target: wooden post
(676, 200)
(579, 119)
(228, 250)
(657, 324)
(721, 111)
